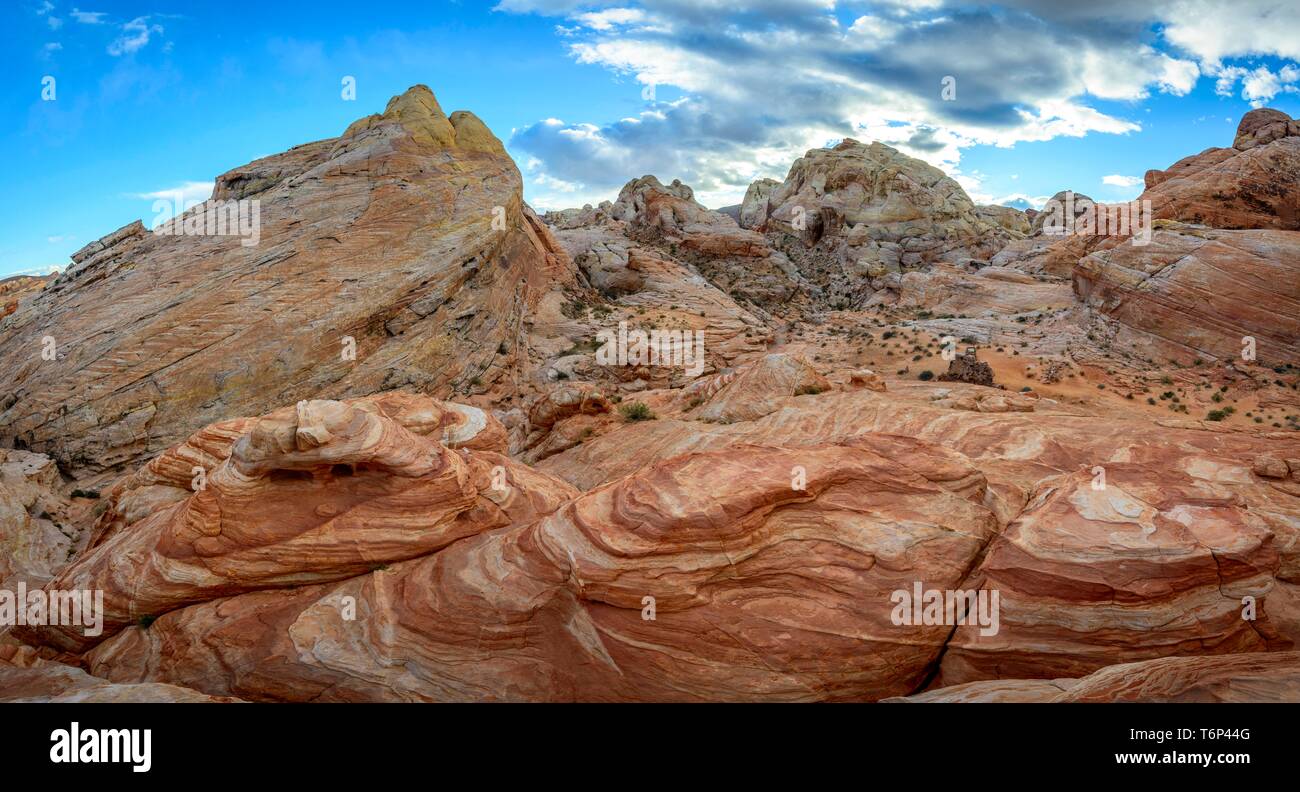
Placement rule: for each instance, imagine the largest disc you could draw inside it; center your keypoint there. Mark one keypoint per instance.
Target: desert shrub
(636, 411)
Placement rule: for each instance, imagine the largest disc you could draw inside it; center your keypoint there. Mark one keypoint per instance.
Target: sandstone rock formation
(1254, 184)
(852, 213)
(760, 388)
(399, 254)
(893, 198)
(357, 485)
(1147, 564)
(471, 511)
(737, 261)
(1195, 291)
(36, 533)
(641, 590)
(17, 288)
(26, 678)
(967, 368)
(1256, 677)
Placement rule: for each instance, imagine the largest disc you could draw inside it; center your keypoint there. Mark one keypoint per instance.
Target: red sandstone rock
(1272, 677)
(642, 590)
(1254, 184)
(1195, 291)
(321, 491)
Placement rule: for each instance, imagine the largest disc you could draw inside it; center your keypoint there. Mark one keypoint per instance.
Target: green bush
(636, 411)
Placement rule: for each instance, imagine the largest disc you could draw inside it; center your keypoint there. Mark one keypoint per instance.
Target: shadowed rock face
(384, 235)
(27, 678)
(35, 537)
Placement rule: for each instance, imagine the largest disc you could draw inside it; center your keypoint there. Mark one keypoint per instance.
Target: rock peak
(1264, 125)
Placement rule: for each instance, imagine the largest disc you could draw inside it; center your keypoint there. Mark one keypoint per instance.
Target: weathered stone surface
(384, 235)
(754, 208)
(1060, 213)
(1149, 564)
(865, 378)
(24, 678)
(746, 544)
(1254, 184)
(321, 491)
(946, 289)
(736, 260)
(36, 536)
(760, 389)
(853, 213)
(554, 610)
(1008, 217)
(1195, 291)
(18, 288)
(969, 369)
(1238, 678)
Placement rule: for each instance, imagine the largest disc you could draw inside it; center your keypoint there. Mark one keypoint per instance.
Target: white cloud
(88, 17)
(1116, 180)
(1022, 201)
(183, 196)
(1213, 30)
(54, 22)
(610, 18)
(135, 35)
(1258, 85)
(45, 269)
(764, 80)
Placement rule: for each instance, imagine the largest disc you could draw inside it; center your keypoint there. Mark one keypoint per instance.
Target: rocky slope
(399, 254)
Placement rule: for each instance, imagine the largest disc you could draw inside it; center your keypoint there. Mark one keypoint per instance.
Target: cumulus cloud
(765, 80)
(134, 36)
(1258, 85)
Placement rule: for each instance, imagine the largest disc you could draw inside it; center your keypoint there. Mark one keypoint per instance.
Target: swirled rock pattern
(26, 678)
(356, 485)
(1200, 292)
(255, 454)
(1130, 566)
(640, 590)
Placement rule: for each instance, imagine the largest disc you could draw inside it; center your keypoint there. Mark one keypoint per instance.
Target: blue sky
(588, 95)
